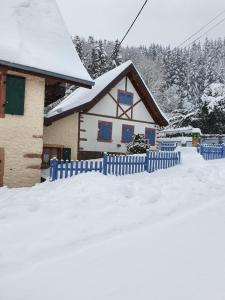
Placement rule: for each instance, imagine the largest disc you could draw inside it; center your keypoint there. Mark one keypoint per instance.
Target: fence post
(179, 157)
(147, 161)
(54, 169)
(105, 163)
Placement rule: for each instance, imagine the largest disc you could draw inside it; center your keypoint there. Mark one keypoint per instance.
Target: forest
(188, 83)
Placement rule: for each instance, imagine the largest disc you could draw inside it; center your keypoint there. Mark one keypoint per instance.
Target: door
(1, 166)
(66, 154)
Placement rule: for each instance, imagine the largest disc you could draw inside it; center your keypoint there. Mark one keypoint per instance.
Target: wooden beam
(119, 106)
(130, 108)
(111, 117)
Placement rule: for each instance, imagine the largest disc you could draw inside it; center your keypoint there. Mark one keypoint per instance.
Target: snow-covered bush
(138, 145)
(214, 96)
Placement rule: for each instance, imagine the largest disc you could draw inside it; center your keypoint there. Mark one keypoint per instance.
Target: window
(2, 92)
(125, 98)
(14, 95)
(104, 131)
(127, 133)
(150, 135)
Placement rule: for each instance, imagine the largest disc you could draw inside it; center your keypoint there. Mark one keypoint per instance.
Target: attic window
(125, 98)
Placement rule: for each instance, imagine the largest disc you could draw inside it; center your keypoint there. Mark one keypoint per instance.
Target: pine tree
(104, 64)
(79, 47)
(116, 58)
(138, 145)
(95, 65)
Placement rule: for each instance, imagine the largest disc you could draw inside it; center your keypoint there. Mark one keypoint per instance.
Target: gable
(108, 105)
(109, 84)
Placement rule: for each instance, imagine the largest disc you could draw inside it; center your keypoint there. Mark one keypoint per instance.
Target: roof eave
(159, 118)
(47, 74)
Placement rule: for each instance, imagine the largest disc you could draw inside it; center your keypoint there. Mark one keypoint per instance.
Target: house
(90, 122)
(36, 53)
(182, 136)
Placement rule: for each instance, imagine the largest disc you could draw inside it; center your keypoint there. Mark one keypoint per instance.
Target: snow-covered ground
(145, 236)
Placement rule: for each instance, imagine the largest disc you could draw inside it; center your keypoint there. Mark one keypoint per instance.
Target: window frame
(126, 126)
(125, 92)
(2, 94)
(150, 129)
(98, 135)
(7, 107)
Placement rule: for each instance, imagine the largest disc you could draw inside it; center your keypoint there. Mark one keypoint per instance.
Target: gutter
(44, 73)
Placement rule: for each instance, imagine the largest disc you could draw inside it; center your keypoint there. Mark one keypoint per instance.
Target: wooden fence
(212, 151)
(168, 146)
(115, 164)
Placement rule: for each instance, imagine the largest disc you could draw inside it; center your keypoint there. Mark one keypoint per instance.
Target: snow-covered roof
(34, 38)
(82, 96)
(188, 129)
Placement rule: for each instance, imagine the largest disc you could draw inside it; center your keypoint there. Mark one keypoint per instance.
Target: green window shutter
(15, 94)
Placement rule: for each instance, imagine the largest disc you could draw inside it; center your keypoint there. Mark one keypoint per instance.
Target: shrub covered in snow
(138, 145)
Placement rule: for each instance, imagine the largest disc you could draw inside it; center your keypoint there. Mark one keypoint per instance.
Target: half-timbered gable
(119, 106)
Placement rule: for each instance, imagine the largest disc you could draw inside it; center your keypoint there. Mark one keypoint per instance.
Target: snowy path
(181, 260)
(92, 226)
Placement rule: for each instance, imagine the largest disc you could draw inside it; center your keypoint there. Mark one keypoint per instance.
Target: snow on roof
(188, 129)
(82, 96)
(33, 34)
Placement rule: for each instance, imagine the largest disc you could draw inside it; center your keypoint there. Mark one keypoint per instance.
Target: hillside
(179, 78)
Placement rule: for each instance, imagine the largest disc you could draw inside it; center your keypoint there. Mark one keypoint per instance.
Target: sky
(167, 22)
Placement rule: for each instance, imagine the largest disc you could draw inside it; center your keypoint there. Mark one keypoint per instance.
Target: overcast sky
(162, 21)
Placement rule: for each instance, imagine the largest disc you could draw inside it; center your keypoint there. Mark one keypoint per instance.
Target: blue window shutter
(104, 131)
(125, 98)
(150, 136)
(127, 133)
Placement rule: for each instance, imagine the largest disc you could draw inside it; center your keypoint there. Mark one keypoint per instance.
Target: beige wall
(21, 137)
(64, 132)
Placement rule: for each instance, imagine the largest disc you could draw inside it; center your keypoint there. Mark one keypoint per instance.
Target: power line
(132, 24)
(200, 29)
(210, 29)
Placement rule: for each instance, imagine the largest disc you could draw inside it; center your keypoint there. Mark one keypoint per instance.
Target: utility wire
(210, 29)
(132, 24)
(200, 29)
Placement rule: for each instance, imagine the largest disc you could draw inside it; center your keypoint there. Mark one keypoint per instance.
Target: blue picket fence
(115, 164)
(168, 146)
(211, 151)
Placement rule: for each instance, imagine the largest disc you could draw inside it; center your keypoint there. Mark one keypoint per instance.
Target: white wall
(107, 107)
(90, 124)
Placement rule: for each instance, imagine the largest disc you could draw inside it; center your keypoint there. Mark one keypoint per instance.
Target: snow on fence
(168, 146)
(115, 164)
(212, 151)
